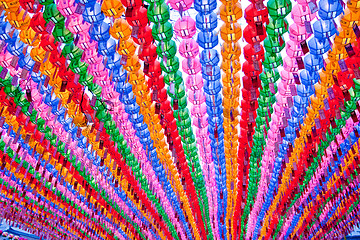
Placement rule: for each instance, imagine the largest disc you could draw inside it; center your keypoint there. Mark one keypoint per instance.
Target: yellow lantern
(350, 18)
(20, 21)
(231, 92)
(226, 66)
(326, 79)
(354, 6)
(230, 32)
(29, 37)
(230, 12)
(38, 54)
(126, 47)
(132, 64)
(230, 51)
(47, 68)
(120, 29)
(80, 120)
(112, 8)
(332, 67)
(231, 80)
(10, 6)
(316, 103)
(321, 91)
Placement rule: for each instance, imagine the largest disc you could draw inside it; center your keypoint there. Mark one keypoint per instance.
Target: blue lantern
(16, 47)
(206, 22)
(26, 62)
(309, 78)
(205, 6)
(100, 32)
(330, 9)
(107, 48)
(207, 40)
(319, 47)
(313, 62)
(93, 14)
(324, 29)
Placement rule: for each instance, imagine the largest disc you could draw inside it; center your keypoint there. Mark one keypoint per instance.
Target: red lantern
(346, 78)
(148, 53)
(254, 16)
(251, 54)
(38, 23)
(28, 5)
(57, 59)
(48, 43)
(156, 82)
(131, 3)
(144, 36)
(251, 70)
(251, 36)
(251, 82)
(154, 70)
(137, 17)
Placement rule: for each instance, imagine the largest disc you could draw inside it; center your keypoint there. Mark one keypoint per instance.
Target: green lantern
(262, 111)
(159, 13)
(173, 77)
(182, 102)
(179, 91)
(95, 89)
(46, 2)
(102, 114)
(110, 125)
(272, 60)
(72, 52)
(85, 78)
(184, 123)
(260, 120)
(61, 34)
(12, 91)
(272, 44)
(171, 65)
(51, 13)
(279, 9)
(182, 113)
(78, 66)
(270, 76)
(277, 27)
(167, 49)
(162, 32)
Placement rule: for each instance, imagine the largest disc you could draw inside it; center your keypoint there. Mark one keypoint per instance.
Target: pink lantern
(287, 77)
(185, 27)
(302, 14)
(298, 33)
(5, 59)
(181, 4)
(92, 57)
(290, 64)
(293, 49)
(191, 68)
(98, 70)
(85, 42)
(189, 48)
(284, 89)
(76, 24)
(196, 97)
(201, 123)
(198, 111)
(66, 7)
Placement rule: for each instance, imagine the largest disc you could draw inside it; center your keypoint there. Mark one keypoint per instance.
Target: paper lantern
(181, 5)
(185, 27)
(112, 8)
(206, 22)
